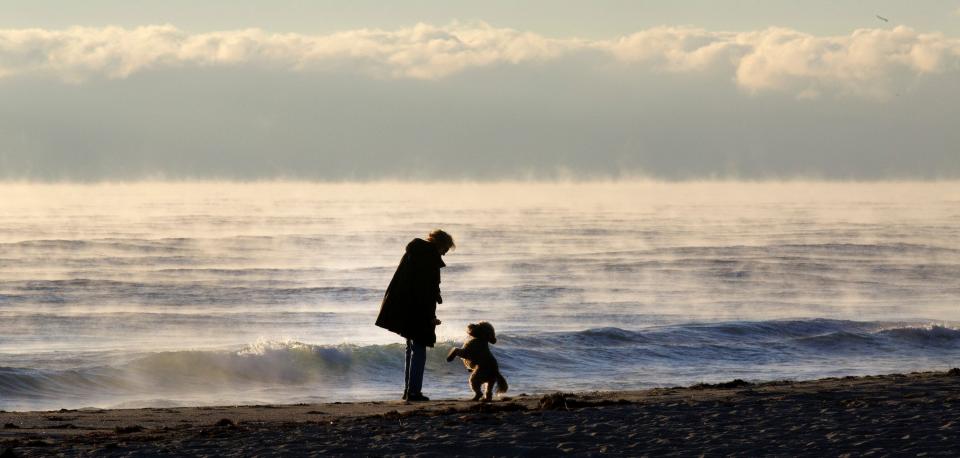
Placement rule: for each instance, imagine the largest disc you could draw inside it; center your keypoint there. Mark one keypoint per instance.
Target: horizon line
(478, 181)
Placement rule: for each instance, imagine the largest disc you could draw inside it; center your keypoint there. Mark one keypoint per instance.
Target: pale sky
(103, 90)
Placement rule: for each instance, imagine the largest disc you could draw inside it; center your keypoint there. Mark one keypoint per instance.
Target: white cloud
(422, 51)
(868, 62)
(678, 48)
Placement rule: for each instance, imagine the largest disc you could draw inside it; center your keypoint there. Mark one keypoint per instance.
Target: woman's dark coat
(410, 304)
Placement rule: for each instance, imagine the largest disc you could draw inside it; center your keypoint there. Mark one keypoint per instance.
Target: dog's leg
(454, 352)
(475, 384)
(489, 392)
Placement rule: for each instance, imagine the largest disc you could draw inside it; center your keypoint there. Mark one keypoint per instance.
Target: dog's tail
(501, 384)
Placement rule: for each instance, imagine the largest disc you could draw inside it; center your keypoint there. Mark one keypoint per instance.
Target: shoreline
(883, 414)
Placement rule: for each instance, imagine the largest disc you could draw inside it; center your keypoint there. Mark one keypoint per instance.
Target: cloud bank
(868, 62)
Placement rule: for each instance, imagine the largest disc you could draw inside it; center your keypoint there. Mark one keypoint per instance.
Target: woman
(409, 306)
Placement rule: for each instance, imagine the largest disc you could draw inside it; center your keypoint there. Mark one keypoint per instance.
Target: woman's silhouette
(409, 306)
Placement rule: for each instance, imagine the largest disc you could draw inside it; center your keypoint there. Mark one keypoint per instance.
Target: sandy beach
(260, 228)
(914, 414)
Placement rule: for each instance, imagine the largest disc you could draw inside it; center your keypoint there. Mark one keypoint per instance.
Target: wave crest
(536, 358)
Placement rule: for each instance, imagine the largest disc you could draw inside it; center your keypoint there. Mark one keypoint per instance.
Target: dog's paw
(452, 354)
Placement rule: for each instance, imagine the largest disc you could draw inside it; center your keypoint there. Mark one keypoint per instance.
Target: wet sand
(917, 414)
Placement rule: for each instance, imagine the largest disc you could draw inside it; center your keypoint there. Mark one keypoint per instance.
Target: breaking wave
(539, 359)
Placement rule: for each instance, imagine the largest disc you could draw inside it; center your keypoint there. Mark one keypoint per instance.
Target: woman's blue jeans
(413, 369)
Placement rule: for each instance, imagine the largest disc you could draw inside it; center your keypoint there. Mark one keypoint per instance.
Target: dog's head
(482, 330)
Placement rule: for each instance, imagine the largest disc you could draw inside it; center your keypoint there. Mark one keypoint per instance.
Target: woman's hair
(441, 237)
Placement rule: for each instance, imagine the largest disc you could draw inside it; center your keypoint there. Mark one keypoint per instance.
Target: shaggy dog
(477, 358)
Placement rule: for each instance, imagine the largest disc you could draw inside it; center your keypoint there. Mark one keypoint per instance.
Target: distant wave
(932, 336)
(784, 332)
(85, 290)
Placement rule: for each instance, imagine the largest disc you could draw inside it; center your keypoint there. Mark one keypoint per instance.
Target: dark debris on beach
(916, 414)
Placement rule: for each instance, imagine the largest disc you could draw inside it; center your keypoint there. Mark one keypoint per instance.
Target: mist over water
(197, 293)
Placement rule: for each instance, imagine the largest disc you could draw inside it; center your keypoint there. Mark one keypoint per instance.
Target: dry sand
(916, 415)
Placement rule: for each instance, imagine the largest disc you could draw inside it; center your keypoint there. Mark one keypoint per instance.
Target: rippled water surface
(196, 293)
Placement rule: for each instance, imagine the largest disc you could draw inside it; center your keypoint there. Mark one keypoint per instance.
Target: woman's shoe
(417, 397)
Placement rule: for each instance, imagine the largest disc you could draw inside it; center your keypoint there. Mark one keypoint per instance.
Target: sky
(430, 89)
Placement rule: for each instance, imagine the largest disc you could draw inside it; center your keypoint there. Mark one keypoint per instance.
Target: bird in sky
(882, 18)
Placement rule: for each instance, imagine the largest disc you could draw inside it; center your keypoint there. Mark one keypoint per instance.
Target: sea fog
(166, 293)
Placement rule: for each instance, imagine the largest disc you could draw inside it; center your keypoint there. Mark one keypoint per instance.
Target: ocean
(199, 293)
